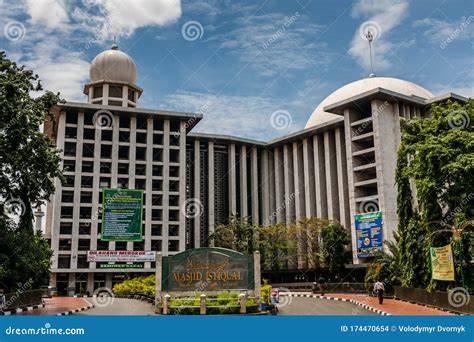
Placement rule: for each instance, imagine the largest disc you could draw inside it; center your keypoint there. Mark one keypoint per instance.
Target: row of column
(306, 178)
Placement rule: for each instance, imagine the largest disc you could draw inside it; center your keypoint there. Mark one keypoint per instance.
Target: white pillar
(319, 177)
(197, 191)
(210, 175)
(266, 195)
(243, 182)
(279, 187)
(255, 186)
(232, 181)
(182, 185)
(166, 180)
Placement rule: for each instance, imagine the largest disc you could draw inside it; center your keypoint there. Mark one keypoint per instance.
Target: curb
(137, 297)
(363, 305)
(458, 313)
(20, 310)
(71, 312)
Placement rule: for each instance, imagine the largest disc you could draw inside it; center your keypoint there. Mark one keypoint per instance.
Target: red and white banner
(115, 256)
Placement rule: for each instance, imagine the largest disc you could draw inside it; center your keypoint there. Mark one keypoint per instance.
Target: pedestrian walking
(379, 289)
(322, 285)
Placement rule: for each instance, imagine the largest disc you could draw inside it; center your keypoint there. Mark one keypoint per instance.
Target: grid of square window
(94, 168)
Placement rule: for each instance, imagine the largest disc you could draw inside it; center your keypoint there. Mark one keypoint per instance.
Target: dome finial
(114, 45)
(370, 37)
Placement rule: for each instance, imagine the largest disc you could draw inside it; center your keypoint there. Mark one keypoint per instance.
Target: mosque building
(340, 165)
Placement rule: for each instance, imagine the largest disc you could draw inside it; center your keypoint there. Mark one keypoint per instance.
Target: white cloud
(54, 27)
(440, 31)
(51, 13)
(123, 17)
(273, 43)
(60, 69)
(387, 15)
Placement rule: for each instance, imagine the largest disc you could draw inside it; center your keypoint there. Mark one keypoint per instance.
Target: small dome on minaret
(113, 66)
(113, 75)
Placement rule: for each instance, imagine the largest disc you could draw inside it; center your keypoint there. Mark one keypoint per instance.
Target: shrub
(141, 285)
(265, 291)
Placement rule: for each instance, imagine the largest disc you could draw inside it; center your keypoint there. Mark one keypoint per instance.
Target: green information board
(122, 215)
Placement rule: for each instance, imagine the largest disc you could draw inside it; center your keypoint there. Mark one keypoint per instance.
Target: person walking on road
(379, 289)
(322, 285)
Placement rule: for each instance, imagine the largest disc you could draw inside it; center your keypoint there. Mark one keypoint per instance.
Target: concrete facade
(331, 170)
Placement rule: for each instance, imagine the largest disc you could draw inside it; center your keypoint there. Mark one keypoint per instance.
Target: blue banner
(369, 233)
(233, 328)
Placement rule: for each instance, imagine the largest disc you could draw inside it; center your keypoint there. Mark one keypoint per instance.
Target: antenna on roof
(114, 45)
(370, 37)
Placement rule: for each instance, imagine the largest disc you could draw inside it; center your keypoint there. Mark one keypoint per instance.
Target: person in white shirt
(379, 289)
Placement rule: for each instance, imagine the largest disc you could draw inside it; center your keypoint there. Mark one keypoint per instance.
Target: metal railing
(462, 304)
(21, 299)
(329, 287)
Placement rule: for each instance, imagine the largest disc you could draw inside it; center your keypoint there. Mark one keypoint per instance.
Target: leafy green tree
(25, 258)
(385, 267)
(436, 157)
(238, 235)
(306, 240)
(335, 240)
(274, 247)
(29, 164)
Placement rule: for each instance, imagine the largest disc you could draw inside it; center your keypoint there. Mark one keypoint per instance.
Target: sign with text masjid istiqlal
(208, 269)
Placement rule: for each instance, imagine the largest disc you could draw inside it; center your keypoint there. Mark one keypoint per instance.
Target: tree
(29, 164)
(385, 267)
(335, 240)
(319, 243)
(25, 258)
(306, 240)
(436, 159)
(238, 235)
(274, 246)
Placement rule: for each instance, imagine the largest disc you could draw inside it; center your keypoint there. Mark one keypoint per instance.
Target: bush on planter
(140, 285)
(265, 293)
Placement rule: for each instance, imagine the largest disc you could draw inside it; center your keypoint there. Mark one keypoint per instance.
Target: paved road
(120, 306)
(297, 306)
(56, 305)
(320, 307)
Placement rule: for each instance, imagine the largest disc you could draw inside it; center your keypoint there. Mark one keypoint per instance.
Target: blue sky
(238, 62)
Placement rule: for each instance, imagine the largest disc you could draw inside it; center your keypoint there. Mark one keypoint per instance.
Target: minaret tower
(113, 75)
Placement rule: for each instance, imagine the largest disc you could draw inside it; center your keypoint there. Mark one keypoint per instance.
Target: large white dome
(113, 66)
(319, 116)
